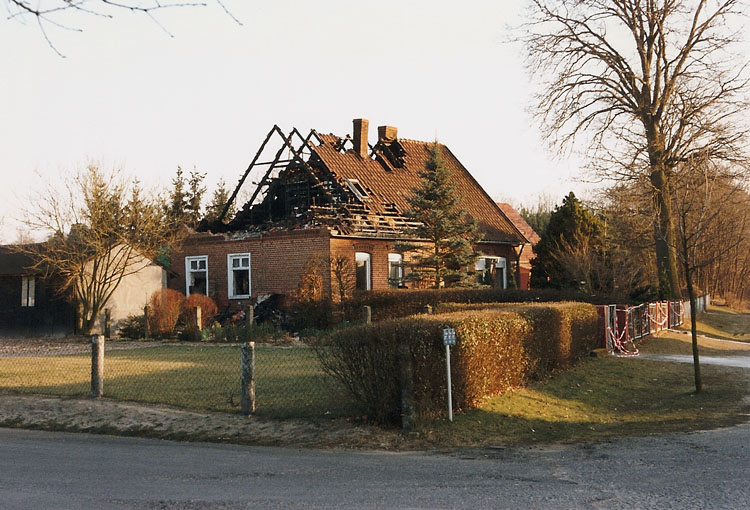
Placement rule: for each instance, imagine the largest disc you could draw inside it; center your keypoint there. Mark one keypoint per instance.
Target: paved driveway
(726, 361)
(76, 471)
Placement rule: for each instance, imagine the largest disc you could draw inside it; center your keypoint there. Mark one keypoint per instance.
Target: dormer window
(356, 188)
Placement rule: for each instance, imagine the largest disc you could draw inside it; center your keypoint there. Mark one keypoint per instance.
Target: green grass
(723, 322)
(607, 397)
(289, 380)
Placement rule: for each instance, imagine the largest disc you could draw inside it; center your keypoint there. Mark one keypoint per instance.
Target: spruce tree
(449, 257)
(184, 207)
(568, 224)
(218, 202)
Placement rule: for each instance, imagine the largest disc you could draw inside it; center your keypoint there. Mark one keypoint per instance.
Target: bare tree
(343, 279)
(702, 193)
(645, 85)
(102, 230)
(60, 13)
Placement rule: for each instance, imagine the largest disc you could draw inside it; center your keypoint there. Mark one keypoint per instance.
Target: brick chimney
(360, 136)
(387, 134)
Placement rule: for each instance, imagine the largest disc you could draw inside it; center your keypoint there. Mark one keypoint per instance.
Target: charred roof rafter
(297, 154)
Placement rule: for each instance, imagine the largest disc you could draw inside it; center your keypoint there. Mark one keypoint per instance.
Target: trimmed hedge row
(497, 349)
(391, 304)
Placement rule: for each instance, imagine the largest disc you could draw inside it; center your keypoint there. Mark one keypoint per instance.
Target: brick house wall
(277, 262)
(378, 250)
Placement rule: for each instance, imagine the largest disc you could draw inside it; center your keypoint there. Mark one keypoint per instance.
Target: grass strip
(601, 398)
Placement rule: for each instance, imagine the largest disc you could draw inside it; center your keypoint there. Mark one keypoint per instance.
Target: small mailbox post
(449, 338)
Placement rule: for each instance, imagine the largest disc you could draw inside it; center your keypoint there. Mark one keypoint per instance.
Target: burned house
(327, 196)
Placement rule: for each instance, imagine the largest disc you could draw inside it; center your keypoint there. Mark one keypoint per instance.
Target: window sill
(244, 296)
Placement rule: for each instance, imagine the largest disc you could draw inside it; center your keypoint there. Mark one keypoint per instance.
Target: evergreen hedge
(498, 348)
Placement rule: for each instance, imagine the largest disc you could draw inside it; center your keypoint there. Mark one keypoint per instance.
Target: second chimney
(360, 136)
(387, 134)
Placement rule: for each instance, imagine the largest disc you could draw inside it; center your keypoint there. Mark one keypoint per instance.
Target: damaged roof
(353, 188)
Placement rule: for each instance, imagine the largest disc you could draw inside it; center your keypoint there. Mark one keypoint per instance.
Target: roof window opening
(356, 188)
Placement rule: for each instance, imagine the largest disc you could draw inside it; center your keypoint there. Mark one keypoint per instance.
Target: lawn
(289, 380)
(723, 322)
(608, 397)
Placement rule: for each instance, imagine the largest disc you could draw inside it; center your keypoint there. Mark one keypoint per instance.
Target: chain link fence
(289, 380)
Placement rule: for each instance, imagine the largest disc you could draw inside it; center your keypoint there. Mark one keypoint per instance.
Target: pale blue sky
(129, 95)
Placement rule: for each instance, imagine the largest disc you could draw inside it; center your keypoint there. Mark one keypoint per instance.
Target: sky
(200, 90)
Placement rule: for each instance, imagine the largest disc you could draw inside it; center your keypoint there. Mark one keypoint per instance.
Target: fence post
(107, 323)
(97, 366)
(367, 314)
(427, 309)
(250, 315)
(247, 370)
(198, 321)
(406, 380)
(147, 319)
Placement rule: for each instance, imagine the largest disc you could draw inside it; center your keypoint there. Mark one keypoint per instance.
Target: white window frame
(356, 187)
(230, 275)
(28, 291)
(188, 271)
(398, 260)
(368, 267)
(500, 263)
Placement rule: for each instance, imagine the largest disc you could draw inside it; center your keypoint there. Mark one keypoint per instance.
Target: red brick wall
(527, 255)
(378, 250)
(277, 261)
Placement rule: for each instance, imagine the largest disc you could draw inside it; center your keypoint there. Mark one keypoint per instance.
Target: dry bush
(166, 306)
(736, 303)
(207, 306)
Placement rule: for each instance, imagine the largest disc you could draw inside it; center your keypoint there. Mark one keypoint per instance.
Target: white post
(448, 369)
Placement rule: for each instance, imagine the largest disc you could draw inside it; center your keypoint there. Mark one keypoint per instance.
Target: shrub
(166, 305)
(263, 333)
(308, 314)
(207, 306)
(497, 349)
(133, 327)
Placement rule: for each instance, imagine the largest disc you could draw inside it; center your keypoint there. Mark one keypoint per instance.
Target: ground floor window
(28, 287)
(196, 275)
(363, 270)
(238, 277)
(492, 271)
(395, 270)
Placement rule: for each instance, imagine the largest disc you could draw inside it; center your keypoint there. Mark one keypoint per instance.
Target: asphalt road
(42, 470)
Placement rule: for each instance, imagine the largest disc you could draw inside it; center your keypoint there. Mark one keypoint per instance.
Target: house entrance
(492, 271)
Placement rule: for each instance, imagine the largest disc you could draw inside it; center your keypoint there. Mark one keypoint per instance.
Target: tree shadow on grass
(601, 399)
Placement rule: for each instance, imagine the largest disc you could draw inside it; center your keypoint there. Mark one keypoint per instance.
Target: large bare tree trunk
(666, 261)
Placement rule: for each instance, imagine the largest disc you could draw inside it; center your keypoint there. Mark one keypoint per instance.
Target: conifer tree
(218, 202)
(449, 257)
(185, 197)
(568, 226)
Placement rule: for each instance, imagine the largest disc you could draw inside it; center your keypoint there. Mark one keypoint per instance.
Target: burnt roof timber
(286, 139)
(275, 128)
(298, 153)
